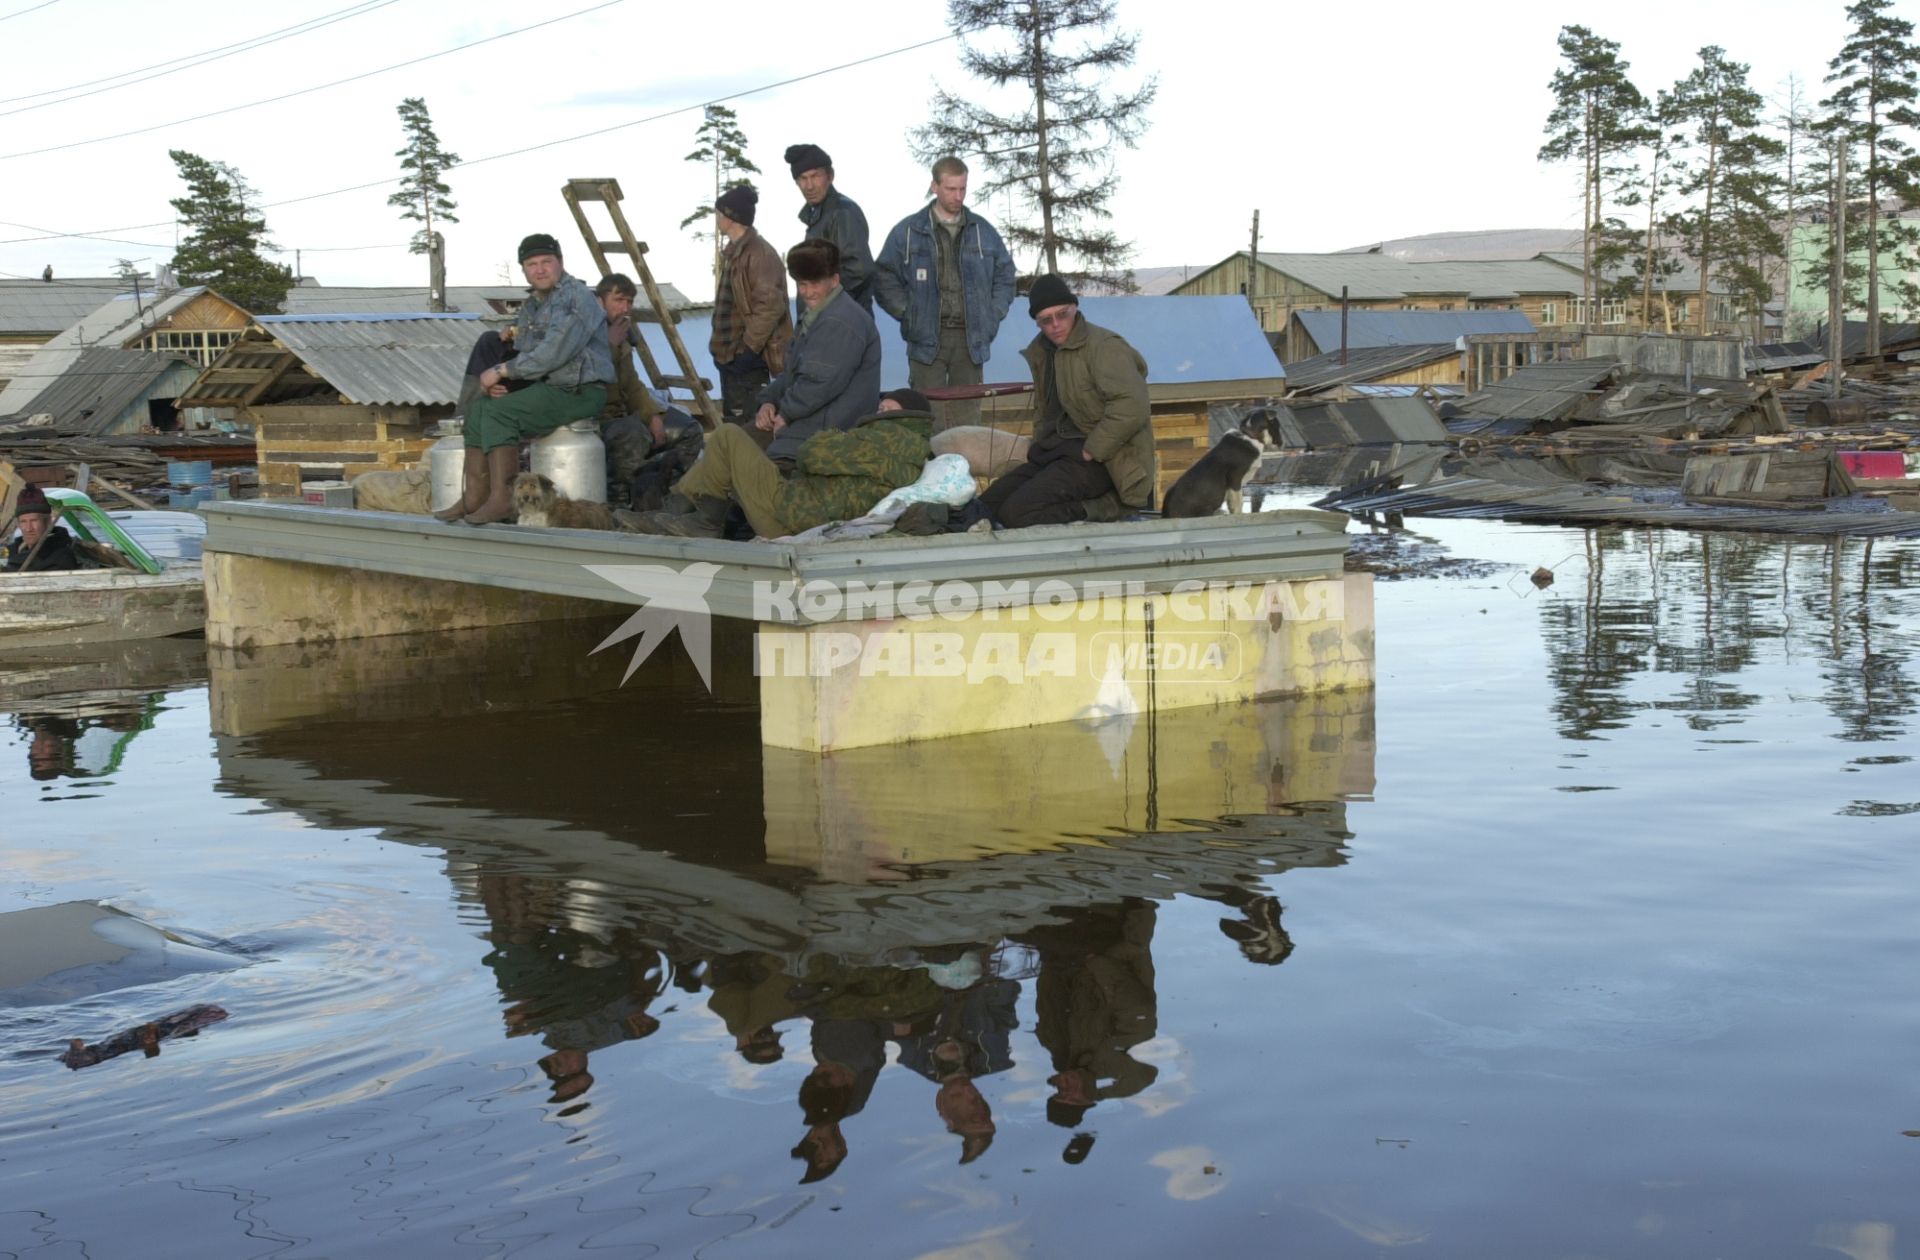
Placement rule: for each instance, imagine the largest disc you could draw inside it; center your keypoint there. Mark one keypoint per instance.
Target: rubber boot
(473, 487)
(707, 519)
(503, 465)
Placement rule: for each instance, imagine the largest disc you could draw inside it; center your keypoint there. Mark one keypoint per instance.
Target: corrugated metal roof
(114, 323)
(466, 299)
(1325, 370)
(1374, 277)
(89, 398)
(43, 306)
(1192, 342)
(1406, 328)
(399, 360)
(1539, 391)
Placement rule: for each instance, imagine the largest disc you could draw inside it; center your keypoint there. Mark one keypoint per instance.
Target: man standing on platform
(945, 274)
(751, 323)
(831, 215)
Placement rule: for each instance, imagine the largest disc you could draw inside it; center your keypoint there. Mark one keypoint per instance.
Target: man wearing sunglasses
(1092, 456)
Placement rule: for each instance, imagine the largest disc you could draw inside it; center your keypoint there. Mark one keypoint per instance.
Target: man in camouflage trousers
(839, 474)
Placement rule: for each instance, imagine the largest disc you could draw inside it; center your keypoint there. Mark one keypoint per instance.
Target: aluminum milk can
(574, 459)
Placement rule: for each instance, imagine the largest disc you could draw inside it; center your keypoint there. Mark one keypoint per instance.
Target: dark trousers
(1051, 492)
(740, 384)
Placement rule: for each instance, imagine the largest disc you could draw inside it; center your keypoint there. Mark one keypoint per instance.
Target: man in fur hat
(831, 215)
(832, 373)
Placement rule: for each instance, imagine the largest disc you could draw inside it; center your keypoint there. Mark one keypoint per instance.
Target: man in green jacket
(1092, 455)
(839, 474)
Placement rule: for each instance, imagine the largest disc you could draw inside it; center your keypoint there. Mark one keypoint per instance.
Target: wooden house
(333, 396)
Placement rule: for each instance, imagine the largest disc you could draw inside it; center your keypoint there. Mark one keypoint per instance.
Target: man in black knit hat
(751, 324)
(1092, 457)
(831, 214)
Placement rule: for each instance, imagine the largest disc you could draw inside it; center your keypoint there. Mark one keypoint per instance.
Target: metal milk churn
(574, 459)
(446, 461)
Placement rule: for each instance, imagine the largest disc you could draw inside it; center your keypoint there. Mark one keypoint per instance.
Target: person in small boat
(58, 550)
(560, 370)
(1092, 455)
(839, 474)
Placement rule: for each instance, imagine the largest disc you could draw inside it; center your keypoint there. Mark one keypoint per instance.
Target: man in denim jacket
(945, 274)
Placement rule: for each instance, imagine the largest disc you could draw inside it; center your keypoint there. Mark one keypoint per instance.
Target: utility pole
(1837, 292)
(1253, 271)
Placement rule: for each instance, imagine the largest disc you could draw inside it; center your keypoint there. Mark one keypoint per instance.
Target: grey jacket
(832, 377)
(562, 338)
(841, 221)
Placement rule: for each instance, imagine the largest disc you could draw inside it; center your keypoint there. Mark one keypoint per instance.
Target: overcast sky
(1343, 124)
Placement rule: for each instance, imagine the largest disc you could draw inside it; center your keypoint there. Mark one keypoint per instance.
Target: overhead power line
(190, 60)
(287, 96)
(532, 148)
(29, 9)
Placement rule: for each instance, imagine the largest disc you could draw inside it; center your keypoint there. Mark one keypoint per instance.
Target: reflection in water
(617, 979)
(79, 708)
(1705, 610)
(878, 906)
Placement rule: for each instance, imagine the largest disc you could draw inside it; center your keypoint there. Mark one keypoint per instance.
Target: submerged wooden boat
(162, 593)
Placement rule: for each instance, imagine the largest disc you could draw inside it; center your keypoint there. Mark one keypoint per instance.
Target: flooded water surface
(1591, 931)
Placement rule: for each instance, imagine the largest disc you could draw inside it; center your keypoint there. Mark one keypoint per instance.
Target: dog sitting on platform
(1215, 477)
(539, 503)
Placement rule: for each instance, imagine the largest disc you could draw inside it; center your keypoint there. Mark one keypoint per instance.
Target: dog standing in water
(539, 503)
(1216, 477)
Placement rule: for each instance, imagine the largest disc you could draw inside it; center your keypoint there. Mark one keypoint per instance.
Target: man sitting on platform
(562, 368)
(630, 423)
(1092, 456)
(840, 474)
(832, 373)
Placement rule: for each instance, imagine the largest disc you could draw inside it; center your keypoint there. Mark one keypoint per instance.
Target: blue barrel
(189, 472)
(188, 500)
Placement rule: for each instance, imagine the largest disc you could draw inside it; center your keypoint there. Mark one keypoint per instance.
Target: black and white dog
(1218, 475)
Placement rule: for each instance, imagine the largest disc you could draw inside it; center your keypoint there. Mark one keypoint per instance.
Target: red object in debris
(1874, 465)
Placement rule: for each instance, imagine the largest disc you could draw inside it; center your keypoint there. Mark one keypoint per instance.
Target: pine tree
(424, 196)
(1798, 170)
(225, 237)
(1663, 180)
(1729, 170)
(1875, 83)
(1598, 116)
(1056, 153)
(724, 145)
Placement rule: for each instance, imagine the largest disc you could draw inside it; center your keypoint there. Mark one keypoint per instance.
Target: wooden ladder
(578, 191)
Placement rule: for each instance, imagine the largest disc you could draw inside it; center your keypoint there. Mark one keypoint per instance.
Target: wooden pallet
(607, 192)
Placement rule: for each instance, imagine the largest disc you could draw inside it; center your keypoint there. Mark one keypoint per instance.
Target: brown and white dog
(539, 503)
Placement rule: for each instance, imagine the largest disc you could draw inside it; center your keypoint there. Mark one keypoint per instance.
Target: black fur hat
(807, 157)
